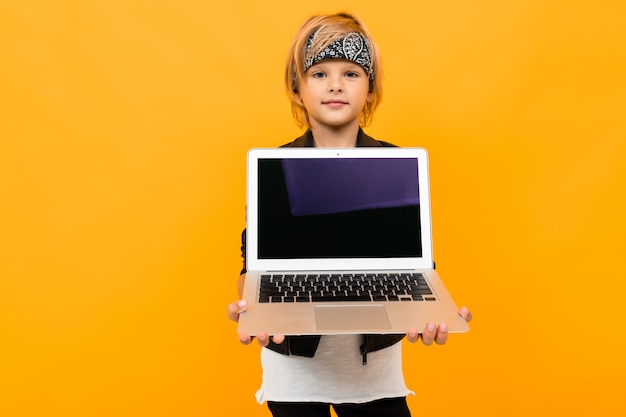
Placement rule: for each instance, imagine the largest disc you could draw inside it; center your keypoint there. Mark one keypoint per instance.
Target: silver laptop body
(343, 239)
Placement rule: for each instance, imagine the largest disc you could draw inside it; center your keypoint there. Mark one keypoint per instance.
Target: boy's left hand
(434, 332)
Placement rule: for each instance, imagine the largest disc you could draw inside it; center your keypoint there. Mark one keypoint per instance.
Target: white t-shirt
(335, 374)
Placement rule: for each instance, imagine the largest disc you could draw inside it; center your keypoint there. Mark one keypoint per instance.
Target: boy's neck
(339, 137)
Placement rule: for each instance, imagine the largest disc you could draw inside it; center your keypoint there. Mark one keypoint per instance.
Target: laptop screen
(338, 208)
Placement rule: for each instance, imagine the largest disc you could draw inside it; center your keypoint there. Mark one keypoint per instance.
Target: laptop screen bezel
(408, 263)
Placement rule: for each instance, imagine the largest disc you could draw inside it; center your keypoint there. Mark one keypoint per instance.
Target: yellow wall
(123, 132)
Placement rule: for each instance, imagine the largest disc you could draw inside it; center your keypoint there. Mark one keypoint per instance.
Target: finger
(262, 339)
(412, 335)
(429, 333)
(442, 334)
(234, 309)
(278, 338)
(465, 313)
(245, 338)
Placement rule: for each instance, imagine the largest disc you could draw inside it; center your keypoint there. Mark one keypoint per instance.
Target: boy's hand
(437, 333)
(236, 308)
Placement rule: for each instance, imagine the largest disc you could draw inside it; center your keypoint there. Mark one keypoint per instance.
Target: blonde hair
(329, 28)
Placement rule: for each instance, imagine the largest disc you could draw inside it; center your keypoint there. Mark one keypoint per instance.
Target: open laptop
(339, 241)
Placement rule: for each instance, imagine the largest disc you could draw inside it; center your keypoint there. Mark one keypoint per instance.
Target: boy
(333, 79)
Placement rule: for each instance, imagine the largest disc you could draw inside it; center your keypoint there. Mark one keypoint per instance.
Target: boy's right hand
(236, 308)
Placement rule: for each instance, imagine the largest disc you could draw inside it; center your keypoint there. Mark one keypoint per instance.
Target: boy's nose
(335, 86)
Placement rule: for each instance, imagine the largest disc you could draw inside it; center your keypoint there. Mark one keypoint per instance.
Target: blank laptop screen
(338, 208)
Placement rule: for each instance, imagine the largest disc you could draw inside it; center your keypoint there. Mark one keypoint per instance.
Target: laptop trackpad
(346, 318)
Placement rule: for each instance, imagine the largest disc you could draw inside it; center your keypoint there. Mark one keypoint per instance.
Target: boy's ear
(297, 96)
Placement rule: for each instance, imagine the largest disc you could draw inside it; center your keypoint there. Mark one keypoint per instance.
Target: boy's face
(334, 92)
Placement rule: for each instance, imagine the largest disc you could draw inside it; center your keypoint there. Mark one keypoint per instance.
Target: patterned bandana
(353, 47)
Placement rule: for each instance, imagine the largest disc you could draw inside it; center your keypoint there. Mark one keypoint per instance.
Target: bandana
(353, 47)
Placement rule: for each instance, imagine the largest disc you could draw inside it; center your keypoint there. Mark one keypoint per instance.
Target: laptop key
(340, 298)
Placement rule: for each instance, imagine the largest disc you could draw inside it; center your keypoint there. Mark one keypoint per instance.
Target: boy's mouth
(335, 103)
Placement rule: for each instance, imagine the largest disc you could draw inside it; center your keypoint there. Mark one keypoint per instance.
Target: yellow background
(123, 132)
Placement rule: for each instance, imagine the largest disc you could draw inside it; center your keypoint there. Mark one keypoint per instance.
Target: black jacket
(307, 345)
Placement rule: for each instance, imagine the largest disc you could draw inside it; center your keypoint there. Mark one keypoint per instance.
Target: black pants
(387, 407)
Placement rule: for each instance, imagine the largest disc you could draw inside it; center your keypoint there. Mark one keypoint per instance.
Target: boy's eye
(352, 74)
(318, 74)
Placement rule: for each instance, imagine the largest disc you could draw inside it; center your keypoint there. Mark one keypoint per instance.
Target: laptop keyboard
(303, 288)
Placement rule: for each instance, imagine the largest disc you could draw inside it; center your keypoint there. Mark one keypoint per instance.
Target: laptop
(339, 241)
